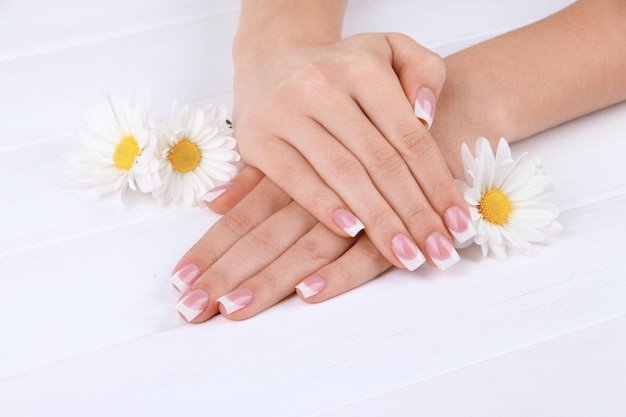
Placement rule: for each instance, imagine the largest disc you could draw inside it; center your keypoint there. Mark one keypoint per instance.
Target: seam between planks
(461, 368)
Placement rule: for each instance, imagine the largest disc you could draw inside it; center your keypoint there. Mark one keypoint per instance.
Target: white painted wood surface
(87, 325)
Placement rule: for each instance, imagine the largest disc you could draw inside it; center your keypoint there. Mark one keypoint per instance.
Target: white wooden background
(87, 324)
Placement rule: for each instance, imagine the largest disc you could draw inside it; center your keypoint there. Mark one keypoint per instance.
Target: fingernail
(193, 303)
(236, 300)
(407, 252)
(459, 224)
(425, 105)
(348, 222)
(213, 193)
(311, 286)
(185, 276)
(441, 251)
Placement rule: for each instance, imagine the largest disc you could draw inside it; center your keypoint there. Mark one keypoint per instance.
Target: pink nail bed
(193, 303)
(311, 286)
(407, 252)
(459, 224)
(441, 251)
(185, 276)
(425, 105)
(236, 300)
(348, 222)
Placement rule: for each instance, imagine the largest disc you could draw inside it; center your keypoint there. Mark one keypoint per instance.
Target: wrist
(469, 108)
(265, 27)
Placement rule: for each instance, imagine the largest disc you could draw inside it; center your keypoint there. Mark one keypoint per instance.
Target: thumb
(226, 196)
(421, 72)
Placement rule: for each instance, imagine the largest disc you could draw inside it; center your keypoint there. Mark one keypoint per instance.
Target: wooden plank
(86, 310)
(72, 50)
(70, 23)
(579, 374)
(189, 62)
(583, 173)
(110, 336)
(449, 25)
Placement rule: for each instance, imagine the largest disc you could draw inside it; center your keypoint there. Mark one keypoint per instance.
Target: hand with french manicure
(356, 157)
(343, 130)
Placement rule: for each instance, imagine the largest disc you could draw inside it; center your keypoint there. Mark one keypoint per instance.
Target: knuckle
(310, 81)
(384, 160)
(344, 166)
(263, 238)
(316, 251)
(363, 64)
(419, 215)
(237, 223)
(413, 141)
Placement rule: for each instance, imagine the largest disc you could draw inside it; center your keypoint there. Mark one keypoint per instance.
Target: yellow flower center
(125, 153)
(184, 156)
(495, 207)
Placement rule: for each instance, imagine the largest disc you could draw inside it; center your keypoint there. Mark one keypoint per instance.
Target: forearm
(567, 65)
(271, 24)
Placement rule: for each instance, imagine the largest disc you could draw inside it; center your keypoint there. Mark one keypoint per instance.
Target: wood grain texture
(87, 325)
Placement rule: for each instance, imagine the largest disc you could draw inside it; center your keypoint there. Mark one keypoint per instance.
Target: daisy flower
(506, 199)
(196, 149)
(117, 149)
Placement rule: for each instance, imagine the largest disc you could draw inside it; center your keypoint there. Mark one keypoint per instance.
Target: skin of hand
(477, 75)
(329, 122)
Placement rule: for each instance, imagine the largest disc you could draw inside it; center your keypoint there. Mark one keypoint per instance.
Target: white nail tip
(448, 262)
(212, 195)
(354, 230)
(178, 283)
(229, 305)
(413, 264)
(305, 290)
(466, 235)
(188, 313)
(422, 114)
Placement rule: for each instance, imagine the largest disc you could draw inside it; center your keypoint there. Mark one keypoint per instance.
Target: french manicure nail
(193, 303)
(407, 252)
(441, 251)
(348, 222)
(213, 193)
(311, 286)
(185, 276)
(459, 224)
(425, 105)
(236, 300)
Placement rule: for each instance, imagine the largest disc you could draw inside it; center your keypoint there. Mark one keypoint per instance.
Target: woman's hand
(333, 125)
(486, 95)
(260, 251)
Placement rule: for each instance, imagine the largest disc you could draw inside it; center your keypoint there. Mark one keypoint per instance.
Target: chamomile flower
(506, 199)
(117, 150)
(197, 150)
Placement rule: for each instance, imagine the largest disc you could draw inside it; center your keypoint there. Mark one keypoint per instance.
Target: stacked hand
(335, 136)
(336, 140)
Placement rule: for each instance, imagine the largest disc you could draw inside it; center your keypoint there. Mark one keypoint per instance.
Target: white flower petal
(106, 123)
(526, 186)
(472, 196)
(206, 129)
(503, 153)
